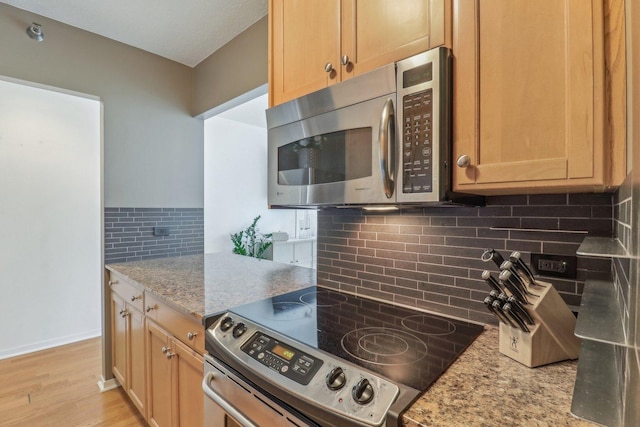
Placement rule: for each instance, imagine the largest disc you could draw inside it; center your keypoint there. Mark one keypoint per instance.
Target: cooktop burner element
(323, 298)
(384, 346)
(429, 325)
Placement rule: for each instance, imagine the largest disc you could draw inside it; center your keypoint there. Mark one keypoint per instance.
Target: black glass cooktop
(406, 346)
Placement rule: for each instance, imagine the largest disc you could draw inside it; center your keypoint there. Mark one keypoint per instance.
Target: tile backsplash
(429, 258)
(129, 233)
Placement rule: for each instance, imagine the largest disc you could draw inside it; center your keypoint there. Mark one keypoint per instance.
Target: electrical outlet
(160, 231)
(554, 265)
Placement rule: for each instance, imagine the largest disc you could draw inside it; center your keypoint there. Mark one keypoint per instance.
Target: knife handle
(505, 279)
(488, 301)
(497, 307)
(521, 310)
(492, 255)
(507, 310)
(491, 281)
(516, 259)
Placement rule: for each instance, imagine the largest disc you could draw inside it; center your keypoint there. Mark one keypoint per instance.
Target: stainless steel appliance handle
(387, 139)
(223, 403)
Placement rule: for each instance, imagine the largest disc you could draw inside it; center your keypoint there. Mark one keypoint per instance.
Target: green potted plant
(250, 242)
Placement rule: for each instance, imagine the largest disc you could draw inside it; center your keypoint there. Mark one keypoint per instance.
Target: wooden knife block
(552, 338)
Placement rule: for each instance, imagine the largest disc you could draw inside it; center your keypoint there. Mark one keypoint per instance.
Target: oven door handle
(223, 403)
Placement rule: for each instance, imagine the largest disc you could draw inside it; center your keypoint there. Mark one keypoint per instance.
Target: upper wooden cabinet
(533, 108)
(315, 43)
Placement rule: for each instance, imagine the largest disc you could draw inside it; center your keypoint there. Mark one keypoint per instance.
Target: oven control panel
(282, 358)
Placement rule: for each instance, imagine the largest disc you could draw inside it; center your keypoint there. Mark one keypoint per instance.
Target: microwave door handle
(387, 140)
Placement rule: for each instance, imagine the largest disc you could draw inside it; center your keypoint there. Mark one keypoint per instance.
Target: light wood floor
(58, 388)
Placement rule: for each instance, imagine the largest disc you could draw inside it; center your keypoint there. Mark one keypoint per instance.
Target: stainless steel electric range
(316, 357)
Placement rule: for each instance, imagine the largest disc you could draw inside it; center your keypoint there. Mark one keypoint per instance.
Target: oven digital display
(283, 352)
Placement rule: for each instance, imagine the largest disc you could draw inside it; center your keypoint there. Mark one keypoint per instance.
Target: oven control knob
(336, 378)
(362, 392)
(226, 324)
(239, 329)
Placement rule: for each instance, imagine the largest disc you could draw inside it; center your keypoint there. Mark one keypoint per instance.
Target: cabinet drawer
(178, 324)
(125, 290)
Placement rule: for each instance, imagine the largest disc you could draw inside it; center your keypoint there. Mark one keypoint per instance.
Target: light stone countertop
(202, 285)
(482, 388)
(485, 388)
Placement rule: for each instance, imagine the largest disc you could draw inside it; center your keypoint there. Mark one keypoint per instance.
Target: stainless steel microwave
(381, 138)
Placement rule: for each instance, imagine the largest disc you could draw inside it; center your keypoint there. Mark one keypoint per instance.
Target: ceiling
(184, 31)
(250, 112)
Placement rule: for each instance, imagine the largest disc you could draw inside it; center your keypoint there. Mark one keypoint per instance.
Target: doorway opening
(51, 212)
(235, 187)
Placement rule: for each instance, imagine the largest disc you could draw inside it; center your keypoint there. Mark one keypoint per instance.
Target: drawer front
(125, 290)
(188, 330)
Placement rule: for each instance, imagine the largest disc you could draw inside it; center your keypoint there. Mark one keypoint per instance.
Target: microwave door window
(327, 158)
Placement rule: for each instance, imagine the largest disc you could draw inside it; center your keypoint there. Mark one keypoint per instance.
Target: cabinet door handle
(165, 349)
(345, 60)
(328, 67)
(191, 335)
(124, 314)
(463, 161)
(169, 355)
(113, 282)
(133, 298)
(149, 308)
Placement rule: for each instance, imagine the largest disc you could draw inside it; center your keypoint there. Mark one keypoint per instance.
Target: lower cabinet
(128, 349)
(157, 356)
(175, 377)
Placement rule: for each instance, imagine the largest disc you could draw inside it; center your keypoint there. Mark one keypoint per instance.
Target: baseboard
(106, 385)
(44, 345)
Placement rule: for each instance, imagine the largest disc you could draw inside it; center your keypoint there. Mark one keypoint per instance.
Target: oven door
(342, 157)
(230, 401)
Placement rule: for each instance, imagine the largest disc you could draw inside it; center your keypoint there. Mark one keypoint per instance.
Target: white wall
(50, 216)
(235, 183)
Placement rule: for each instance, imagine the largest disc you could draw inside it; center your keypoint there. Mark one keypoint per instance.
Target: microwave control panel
(417, 142)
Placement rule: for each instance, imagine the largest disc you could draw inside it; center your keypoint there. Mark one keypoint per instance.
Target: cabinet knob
(164, 349)
(149, 308)
(113, 282)
(169, 355)
(191, 335)
(345, 60)
(124, 314)
(133, 298)
(328, 67)
(463, 161)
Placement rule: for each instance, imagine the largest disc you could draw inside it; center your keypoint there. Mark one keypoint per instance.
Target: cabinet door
(528, 94)
(305, 36)
(380, 32)
(188, 373)
(159, 384)
(136, 358)
(119, 339)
